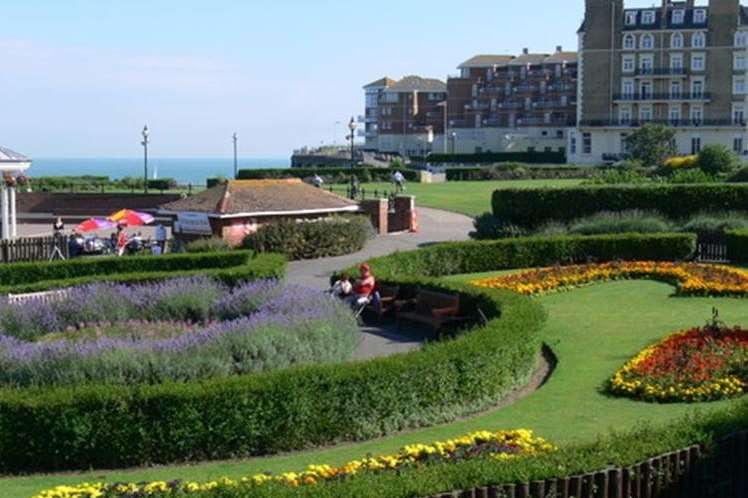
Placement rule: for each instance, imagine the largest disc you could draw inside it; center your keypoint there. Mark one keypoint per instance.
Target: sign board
(194, 223)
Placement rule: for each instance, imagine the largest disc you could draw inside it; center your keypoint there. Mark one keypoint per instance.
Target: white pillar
(13, 217)
(5, 216)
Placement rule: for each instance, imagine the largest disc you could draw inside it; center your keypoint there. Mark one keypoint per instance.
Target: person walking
(317, 181)
(399, 180)
(161, 238)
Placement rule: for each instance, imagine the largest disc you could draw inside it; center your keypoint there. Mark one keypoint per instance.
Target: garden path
(434, 226)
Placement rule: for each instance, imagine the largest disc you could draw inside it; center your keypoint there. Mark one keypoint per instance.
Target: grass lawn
(470, 198)
(593, 330)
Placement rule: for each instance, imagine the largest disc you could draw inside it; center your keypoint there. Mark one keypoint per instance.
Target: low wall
(85, 205)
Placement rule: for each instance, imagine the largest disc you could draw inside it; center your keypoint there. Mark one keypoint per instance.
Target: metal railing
(678, 123)
(629, 97)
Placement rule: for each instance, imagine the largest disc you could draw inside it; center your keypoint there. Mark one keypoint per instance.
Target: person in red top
(121, 240)
(364, 286)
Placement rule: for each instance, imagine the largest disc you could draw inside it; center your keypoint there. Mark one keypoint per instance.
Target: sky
(80, 78)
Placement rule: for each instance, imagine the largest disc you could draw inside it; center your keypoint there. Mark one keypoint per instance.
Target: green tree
(715, 159)
(652, 144)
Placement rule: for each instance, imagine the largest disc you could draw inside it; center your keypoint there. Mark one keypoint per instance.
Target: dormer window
(647, 42)
(630, 18)
(699, 16)
(648, 17)
(679, 16)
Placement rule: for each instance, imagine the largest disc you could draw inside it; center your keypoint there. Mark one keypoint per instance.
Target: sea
(185, 170)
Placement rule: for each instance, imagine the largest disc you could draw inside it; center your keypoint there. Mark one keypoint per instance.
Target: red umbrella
(95, 224)
(131, 218)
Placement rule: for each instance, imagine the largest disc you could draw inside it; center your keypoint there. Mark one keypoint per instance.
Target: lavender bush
(294, 326)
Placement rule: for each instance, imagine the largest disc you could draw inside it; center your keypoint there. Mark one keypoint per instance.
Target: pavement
(434, 226)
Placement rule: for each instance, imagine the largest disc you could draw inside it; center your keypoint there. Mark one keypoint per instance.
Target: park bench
(386, 302)
(431, 308)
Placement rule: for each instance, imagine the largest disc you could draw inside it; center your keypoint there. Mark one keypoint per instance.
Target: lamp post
(352, 128)
(235, 138)
(146, 140)
(443, 104)
(454, 141)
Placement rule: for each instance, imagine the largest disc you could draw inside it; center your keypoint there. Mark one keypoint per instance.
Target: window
(625, 149)
(741, 39)
(630, 18)
(739, 62)
(676, 62)
(647, 42)
(629, 42)
(624, 115)
(738, 114)
(648, 17)
(628, 88)
(699, 16)
(678, 16)
(646, 63)
(674, 115)
(573, 144)
(628, 64)
(586, 143)
(738, 86)
(676, 40)
(676, 90)
(697, 114)
(391, 97)
(646, 90)
(737, 145)
(698, 62)
(697, 89)
(645, 113)
(695, 145)
(698, 40)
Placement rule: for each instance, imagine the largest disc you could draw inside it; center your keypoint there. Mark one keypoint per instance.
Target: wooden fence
(688, 473)
(32, 249)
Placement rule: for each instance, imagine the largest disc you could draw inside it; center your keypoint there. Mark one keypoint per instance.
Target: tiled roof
(562, 57)
(480, 61)
(382, 82)
(262, 196)
(529, 59)
(418, 84)
(9, 156)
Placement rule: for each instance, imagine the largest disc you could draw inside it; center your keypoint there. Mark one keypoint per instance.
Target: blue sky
(79, 78)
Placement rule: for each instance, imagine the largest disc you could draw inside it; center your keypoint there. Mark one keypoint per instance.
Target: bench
(434, 309)
(386, 302)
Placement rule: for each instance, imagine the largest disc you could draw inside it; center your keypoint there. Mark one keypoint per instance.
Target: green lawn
(470, 198)
(593, 330)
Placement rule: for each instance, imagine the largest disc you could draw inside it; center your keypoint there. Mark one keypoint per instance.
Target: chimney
(525, 51)
(559, 49)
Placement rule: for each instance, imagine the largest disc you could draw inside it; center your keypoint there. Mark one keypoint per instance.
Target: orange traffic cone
(413, 222)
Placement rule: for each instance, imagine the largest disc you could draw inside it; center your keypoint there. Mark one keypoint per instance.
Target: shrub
(533, 207)
(740, 176)
(689, 176)
(682, 162)
(716, 158)
(499, 157)
(652, 144)
(618, 176)
(714, 225)
(487, 227)
(620, 222)
(329, 175)
(311, 240)
(518, 171)
(737, 245)
(210, 244)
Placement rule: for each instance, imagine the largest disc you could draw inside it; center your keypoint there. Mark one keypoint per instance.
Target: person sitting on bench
(363, 288)
(342, 288)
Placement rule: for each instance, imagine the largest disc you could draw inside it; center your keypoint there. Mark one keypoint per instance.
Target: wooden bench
(387, 300)
(434, 309)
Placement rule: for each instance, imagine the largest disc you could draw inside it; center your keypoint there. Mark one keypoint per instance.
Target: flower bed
(701, 364)
(691, 279)
(186, 329)
(502, 445)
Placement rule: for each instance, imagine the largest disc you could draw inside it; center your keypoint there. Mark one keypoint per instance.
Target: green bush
(499, 157)
(689, 176)
(329, 175)
(716, 224)
(487, 227)
(533, 207)
(740, 176)
(318, 239)
(737, 245)
(518, 171)
(716, 159)
(209, 244)
(620, 222)
(618, 176)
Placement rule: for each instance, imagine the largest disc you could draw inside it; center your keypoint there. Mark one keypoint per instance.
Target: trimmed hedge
(532, 207)
(117, 426)
(230, 268)
(737, 245)
(519, 171)
(499, 157)
(321, 239)
(329, 175)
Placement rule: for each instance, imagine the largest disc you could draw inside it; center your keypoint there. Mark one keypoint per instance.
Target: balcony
(667, 97)
(510, 105)
(543, 122)
(554, 104)
(661, 71)
(675, 123)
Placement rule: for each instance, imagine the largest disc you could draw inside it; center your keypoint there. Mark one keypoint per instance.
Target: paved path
(434, 225)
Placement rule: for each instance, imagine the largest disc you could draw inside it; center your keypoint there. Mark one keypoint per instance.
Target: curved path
(434, 226)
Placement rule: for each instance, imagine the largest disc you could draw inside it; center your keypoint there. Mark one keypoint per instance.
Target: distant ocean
(186, 171)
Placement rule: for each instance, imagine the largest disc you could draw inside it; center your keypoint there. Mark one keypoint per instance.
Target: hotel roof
(381, 83)
(417, 84)
(262, 198)
(480, 61)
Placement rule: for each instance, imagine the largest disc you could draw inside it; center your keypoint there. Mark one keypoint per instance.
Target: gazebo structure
(12, 166)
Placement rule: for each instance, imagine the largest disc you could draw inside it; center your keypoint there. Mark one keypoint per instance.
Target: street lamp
(454, 141)
(146, 140)
(443, 104)
(235, 137)
(352, 127)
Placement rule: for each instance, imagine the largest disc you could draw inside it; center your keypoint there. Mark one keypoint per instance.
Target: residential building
(409, 115)
(679, 64)
(374, 93)
(504, 103)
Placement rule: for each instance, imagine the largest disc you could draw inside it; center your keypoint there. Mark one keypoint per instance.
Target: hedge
(532, 207)
(321, 239)
(737, 246)
(519, 171)
(230, 270)
(329, 175)
(499, 157)
(117, 426)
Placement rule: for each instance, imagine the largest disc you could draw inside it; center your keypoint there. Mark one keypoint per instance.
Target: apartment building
(513, 103)
(409, 115)
(682, 64)
(374, 93)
